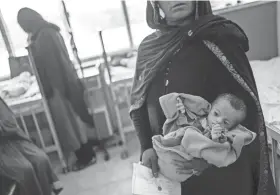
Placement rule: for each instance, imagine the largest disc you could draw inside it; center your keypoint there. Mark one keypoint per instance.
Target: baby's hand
(218, 134)
(180, 106)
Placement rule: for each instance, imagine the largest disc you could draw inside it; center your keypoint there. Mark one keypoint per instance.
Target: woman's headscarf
(31, 21)
(158, 47)
(155, 21)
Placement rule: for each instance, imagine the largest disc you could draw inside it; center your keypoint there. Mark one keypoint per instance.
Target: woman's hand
(188, 167)
(150, 160)
(180, 106)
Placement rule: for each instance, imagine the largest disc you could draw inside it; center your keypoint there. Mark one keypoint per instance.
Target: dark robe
(21, 160)
(61, 86)
(206, 58)
(56, 70)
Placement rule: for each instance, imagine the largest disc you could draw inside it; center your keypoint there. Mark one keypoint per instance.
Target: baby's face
(224, 114)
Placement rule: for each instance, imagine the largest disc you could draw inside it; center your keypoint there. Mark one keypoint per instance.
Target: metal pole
(46, 109)
(72, 42)
(105, 55)
(278, 26)
(127, 22)
(5, 35)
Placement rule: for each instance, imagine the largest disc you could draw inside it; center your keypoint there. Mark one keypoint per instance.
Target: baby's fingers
(179, 100)
(180, 107)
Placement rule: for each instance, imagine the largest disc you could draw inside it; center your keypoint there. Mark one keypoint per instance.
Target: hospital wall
(259, 21)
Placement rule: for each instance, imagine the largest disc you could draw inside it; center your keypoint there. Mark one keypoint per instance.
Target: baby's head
(228, 111)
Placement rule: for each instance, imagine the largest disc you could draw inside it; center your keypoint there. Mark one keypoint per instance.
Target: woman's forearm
(141, 123)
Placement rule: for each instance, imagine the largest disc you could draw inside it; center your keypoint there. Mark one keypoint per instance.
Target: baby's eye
(226, 122)
(215, 113)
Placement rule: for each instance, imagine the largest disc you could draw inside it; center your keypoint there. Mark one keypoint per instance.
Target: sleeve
(8, 123)
(49, 57)
(142, 126)
(42, 72)
(42, 52)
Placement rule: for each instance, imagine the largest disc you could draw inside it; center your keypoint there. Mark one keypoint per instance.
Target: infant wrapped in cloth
(201, 130)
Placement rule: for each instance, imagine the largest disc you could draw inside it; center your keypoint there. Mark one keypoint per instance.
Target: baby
(226, 112)
(194, 128)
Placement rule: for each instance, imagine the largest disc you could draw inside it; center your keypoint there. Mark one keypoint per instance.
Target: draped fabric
(227, 42)
(21, 160)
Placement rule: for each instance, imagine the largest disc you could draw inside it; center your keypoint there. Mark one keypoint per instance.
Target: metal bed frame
(33, 107)
(274, 133)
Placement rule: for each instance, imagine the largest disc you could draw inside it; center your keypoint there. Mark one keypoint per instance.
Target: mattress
(267, 76)
(19, 90)
(24, 88)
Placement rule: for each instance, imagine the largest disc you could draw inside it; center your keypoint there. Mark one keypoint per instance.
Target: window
(220, 4)
(50, 10)
(4, 63)
(137, 16)
(87, 17)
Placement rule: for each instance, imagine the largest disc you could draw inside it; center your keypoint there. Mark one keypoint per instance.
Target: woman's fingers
(155, 167)
(150, 160)
(184, 172)
(199, 164)
(185, 165)
(177, 163)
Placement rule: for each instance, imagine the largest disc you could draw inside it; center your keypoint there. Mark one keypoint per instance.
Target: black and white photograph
(139, 97)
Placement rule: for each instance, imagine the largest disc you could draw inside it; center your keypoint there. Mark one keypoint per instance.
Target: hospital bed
(267, 75)
(33, 116)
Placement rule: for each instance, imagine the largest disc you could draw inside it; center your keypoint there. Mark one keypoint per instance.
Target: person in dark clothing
(61, 85)
(22, 161)
(198, 53)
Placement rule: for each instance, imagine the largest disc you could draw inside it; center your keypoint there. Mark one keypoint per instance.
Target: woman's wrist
(146, 147)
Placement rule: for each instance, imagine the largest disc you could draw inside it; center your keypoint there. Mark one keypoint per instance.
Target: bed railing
(274, 133)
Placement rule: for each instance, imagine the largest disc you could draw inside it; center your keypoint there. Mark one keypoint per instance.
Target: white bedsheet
(22, 88)
(267, 75)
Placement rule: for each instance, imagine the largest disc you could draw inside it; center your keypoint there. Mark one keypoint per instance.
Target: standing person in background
(198, 53)
(62, 87)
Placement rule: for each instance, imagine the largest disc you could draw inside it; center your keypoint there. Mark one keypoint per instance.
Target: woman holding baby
(198, 53)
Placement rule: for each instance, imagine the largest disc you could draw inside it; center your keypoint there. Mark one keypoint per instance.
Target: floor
(112, 177)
